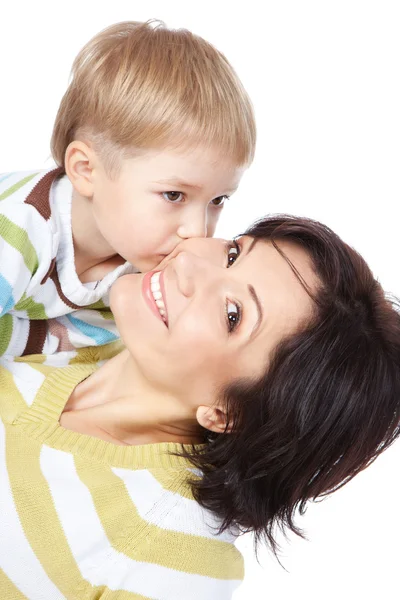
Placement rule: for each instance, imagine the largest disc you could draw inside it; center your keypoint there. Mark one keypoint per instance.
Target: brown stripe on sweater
(59, 331)
(39, 197)
(36, 337)
(63, 297)
(49, 272)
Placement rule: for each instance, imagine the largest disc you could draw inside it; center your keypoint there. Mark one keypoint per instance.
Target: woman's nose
(189, 270)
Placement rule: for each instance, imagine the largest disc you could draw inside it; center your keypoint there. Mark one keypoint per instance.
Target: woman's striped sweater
(81, 518)
(44, 307)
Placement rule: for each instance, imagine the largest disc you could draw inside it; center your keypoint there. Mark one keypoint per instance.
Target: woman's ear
(213, 418)
(79, 163)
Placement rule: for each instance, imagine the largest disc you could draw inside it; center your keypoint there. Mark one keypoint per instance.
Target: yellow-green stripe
(189, 553)
(18, 239)
(168, 479)
(17, 186)
(41, 525)
(34, 309)
(108, 594)
(9, 591)
(34, 359)
(6, 327)
(12, 402)
(107, 314)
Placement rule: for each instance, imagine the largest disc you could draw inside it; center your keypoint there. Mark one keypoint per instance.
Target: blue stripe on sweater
(5, 176)
(98, 334)
(6, 296)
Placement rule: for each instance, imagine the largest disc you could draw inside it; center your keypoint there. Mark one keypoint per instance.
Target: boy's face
(160, 198)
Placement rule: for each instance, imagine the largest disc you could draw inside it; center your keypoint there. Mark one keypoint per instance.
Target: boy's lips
(154, 294)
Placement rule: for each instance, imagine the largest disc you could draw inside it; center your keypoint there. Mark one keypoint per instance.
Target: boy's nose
(194, 225)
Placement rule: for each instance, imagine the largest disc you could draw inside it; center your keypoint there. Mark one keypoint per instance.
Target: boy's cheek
(163, 263)
(212, 223)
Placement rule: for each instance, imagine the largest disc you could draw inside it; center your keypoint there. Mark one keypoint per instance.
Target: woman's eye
(233, 253)
(173, 196)
(233, 315)
(220, 201)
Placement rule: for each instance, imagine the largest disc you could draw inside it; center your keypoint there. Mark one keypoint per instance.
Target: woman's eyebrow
(260, 314)
(253, 293)
(253, 243)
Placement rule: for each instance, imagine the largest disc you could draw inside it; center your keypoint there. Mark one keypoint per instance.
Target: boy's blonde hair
(140, 85)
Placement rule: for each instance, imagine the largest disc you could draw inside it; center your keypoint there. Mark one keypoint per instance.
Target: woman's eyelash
(233, 310)
(233, 315)
(233, 250)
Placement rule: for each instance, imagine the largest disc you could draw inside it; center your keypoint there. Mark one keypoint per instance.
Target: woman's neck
(116, 405)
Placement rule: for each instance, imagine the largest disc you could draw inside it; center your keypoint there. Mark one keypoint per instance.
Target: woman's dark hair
(327, 405)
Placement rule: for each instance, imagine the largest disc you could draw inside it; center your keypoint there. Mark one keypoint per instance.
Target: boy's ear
(79, 163)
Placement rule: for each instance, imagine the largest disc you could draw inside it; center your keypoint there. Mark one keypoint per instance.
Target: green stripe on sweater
(6, 327)
(17, 186)
(18, 239)
(34, 309)
(97, 305)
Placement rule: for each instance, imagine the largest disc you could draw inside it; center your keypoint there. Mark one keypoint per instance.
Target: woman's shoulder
(166, 528)
(19, 384)
(29, 385)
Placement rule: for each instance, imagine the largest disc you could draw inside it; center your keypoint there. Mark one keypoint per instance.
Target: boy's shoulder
(30, 188)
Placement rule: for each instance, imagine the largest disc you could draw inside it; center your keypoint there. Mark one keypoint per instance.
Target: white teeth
(157, 295)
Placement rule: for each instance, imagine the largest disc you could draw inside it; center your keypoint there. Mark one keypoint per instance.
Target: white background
(324, 79)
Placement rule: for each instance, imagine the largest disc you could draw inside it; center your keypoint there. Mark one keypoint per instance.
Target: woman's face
(226, 309)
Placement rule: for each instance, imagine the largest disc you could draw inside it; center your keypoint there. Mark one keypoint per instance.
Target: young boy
(151, 137)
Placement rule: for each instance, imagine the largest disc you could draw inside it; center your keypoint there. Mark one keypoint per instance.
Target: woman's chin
(125, 294)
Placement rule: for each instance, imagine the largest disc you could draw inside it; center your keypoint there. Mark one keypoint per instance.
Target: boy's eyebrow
(179, 183)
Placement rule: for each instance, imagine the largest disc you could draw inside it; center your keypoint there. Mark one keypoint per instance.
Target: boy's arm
(25, 258)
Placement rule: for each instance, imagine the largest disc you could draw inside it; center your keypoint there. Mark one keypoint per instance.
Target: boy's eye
(220, 201)
(173, 196)
(233, 252)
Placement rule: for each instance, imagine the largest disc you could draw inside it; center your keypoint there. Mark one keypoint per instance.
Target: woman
(274, 360)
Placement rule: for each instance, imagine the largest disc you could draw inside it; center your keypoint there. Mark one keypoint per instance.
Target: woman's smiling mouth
(155, 286)
(154, 294)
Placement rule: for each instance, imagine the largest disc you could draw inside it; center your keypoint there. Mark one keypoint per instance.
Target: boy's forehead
(191, 166)
(192, 185)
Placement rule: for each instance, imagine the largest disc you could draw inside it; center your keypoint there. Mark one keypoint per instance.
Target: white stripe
(60, 359)
(155, 504)
(98, 562)
(27, 380)
(17, 558)
(48, 296)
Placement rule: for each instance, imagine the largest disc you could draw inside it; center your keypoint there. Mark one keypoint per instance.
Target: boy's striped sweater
(44, 307)
(84, 519)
